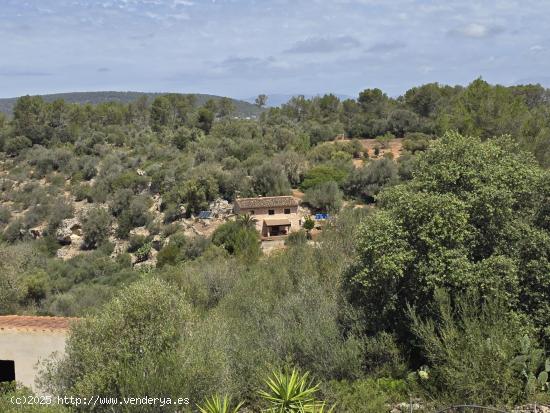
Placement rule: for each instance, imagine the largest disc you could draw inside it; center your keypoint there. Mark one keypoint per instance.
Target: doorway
(7, 371)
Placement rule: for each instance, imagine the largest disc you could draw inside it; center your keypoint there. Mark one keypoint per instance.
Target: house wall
(27, 348)
(293, 217)
(264, 211)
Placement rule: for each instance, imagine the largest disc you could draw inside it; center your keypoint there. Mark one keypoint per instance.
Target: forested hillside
(242, 108)
(430, 282)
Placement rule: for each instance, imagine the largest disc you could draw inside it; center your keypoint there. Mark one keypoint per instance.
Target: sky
(241, 48)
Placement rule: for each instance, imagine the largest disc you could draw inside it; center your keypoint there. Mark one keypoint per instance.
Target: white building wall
(27, 347)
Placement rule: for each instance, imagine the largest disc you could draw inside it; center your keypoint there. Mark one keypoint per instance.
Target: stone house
(276, 216)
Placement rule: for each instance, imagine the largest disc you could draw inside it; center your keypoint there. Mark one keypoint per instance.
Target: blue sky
(240, 48)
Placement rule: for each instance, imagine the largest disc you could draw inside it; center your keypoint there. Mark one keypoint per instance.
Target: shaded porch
(275, 227)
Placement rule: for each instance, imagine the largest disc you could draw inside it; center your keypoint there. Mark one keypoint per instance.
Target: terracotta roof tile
(266, 202)
(23, 322)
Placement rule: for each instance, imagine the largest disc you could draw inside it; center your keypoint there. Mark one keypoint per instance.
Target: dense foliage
(430, 281)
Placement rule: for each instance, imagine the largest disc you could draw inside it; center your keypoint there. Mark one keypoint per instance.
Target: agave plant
(217, 404)
(290, 393)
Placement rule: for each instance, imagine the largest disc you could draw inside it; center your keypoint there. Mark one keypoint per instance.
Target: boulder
(69, 228)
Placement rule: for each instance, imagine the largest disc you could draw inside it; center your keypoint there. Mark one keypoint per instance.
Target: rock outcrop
(69, 229)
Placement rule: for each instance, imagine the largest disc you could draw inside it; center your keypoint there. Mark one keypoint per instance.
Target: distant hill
(274, 100)
(243, 109)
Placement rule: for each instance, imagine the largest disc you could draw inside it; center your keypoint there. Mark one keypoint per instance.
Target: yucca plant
(217, 404)
(290, 393)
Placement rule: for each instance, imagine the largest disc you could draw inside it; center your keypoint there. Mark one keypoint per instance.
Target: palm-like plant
(217, 404)
(247, 221)
(290, 393)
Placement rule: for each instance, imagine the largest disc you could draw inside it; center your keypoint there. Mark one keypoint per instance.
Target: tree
(329, 106)
(225, 107)
(205, 119)
(261, 100)
(366, 182)
(246, 221)
(309, 224)
(29, 117)
(325, 197)
(171, 110)
(455, 225)
(424, 99)
(401, 121)
(484, 110)
(270, 179)
(373, 101)
(322, 174)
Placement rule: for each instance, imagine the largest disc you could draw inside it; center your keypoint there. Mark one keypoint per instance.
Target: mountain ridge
(242, 108)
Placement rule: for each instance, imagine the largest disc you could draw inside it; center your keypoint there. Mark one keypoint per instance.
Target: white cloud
(477, 30)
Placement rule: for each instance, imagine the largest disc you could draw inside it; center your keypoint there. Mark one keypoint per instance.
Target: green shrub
(366, 395)
(83, 192)
(296, 238)
(383, 358)
(135, 242)
(96, 226)
(238, 240)
(87, 168)
(143, 253)
(148, 319)
(13, 146)
(470, 351)
(15, 231)
(5, 215)
(120, 201)
(181, 248)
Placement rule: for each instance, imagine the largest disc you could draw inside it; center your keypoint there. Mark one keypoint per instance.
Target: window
(287, 210)
(270, 212)
(7, 370)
